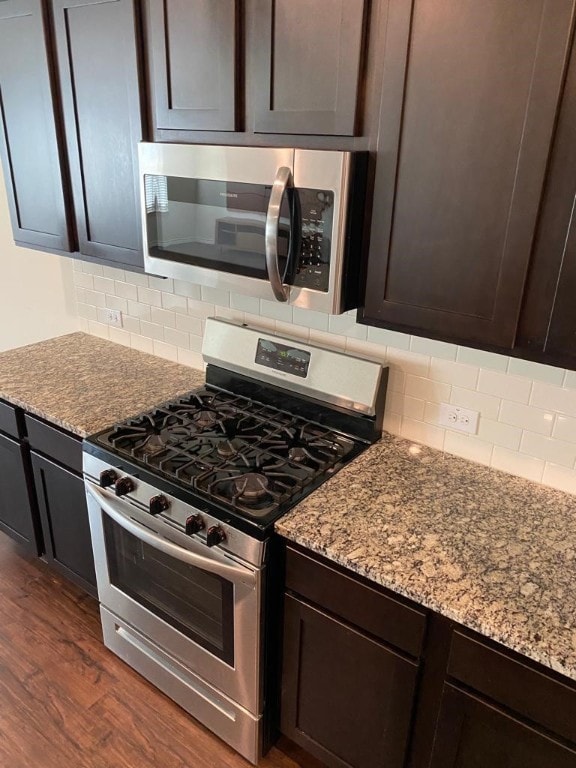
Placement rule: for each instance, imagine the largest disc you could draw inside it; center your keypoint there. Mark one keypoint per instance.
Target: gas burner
(254, 483)
(205, 418)
(251, 485)
(226, 449)
(309, 445)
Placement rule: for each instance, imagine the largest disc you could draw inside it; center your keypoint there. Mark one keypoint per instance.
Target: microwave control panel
(313, 266)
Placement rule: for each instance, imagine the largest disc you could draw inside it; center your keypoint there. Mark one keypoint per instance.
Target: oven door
(220, 216)
(195, 603)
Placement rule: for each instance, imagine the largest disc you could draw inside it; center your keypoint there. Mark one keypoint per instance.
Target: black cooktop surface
(248, 458)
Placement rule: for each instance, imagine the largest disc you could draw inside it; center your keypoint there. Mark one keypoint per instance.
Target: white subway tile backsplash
(548, 448)
(388, 338)
(433, 348)
(528, 410)
(167, 351)
(499, 434)
(346, 325)
(505, 386)
(126, 290)
(456, 374)
(487, 405)
(164, 284)
(141, 343)
(152, 330)
(561, 400)
(141, 311)
(517, 464)
(190, 290)
(175, 303)
(310, 319)
(104, 284)
(163, 317)
(422, 432)
(148, 296)
(565, 428)
(276, 310)
(116, 302)
(468, 447)
(562, 478)
(426, 389)
(189, 324)
(537, 371)
(527, 417)
(245, 303)
(482, 359)
(215, 296)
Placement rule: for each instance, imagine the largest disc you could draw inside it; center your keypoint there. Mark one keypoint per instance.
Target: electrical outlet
(462, 419)
(114, 317)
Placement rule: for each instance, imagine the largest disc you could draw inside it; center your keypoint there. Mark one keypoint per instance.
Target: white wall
(36, 290)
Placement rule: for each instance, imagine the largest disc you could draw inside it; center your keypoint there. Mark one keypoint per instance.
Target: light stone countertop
(84, 383)
(491, 551)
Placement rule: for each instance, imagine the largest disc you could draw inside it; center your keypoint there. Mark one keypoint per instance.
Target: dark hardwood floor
(67, 702)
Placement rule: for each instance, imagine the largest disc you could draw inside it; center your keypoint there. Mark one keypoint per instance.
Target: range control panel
(316, 208)
(283, 358)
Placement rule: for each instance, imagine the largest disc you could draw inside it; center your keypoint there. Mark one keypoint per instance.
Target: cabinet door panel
(472, 734)
(29, 144)
(345, 698)
(306, 60)
(466, 125)
(98, 65)
(192, 47)
(64, 516)
(17, 514)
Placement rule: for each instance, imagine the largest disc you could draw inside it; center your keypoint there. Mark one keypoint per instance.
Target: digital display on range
(283, 358)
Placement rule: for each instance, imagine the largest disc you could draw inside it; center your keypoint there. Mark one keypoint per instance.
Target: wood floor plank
(68, 702)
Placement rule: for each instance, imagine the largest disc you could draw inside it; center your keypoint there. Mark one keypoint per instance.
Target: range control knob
(158, 504)
(194, 524)
(215, 536)
(108, 477)
(124, 486)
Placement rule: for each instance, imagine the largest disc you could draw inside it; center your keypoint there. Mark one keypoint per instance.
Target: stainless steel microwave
(277, 224)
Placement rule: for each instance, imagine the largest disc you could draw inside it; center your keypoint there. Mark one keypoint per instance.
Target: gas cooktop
(274, 421)
(247, 457)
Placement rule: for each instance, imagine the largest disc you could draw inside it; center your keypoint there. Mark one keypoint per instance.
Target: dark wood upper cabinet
(29, 143)
(548, 321)
(97, 45)
(469, 100)
(305, 65)
(193, 50)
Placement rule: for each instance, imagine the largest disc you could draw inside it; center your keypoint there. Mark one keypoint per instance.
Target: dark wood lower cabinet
(17, 513)
(474, 734)
(64, 517)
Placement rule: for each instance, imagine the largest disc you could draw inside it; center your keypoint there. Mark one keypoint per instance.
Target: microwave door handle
(283, 176)
(230, 572)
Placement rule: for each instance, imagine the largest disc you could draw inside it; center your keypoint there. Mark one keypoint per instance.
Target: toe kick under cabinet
(42, 501)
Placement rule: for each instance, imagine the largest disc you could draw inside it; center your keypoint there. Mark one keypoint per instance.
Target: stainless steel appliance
(182, 501)
(278, 224)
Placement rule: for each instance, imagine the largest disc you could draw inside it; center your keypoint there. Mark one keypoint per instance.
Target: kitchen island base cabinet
(474, 734)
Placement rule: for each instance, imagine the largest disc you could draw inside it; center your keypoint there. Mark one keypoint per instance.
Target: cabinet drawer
(524, 690)
(58, 445)
(9, 420)
(367, 608)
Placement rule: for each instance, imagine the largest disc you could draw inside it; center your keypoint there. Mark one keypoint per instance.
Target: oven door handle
(283, 176)
(230, 572)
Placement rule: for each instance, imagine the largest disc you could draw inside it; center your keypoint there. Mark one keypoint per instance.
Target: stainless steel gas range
(182, 501)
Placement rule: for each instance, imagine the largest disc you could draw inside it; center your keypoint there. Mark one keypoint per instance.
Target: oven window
(214, 224)
(198, 604)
